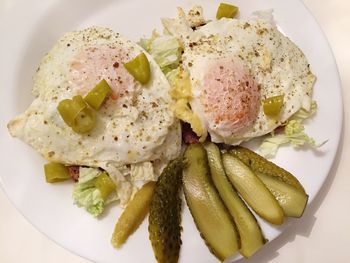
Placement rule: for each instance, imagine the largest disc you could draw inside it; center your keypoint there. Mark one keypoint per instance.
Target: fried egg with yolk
(134, 125)
(234, 65)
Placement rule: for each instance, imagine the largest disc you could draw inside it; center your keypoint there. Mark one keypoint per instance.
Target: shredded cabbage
(166, 50)
(86, 195)
(293, 134)
(142, 171)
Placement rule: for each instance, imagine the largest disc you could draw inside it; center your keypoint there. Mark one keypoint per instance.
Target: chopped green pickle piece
(273, 105)
(139, 68)
(85, 121)
(97, 96)
(56, 172)
(226, 10)
(69, 109)
(105, 185)
(133, 215)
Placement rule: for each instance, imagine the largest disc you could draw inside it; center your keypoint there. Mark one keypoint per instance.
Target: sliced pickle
(165, 214)
(208, 211)
(251, 237)
(292, 200)
(133, 215)
(252, 190)
(259, 164)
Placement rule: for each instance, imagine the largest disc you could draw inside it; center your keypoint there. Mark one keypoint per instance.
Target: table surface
(323, 235)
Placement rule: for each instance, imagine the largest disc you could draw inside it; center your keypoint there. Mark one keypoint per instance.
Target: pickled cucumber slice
(165, 214)
(252, 190)
(251, 237)
(133, 215)
(292, 200)
(259, 164)
(208, 211)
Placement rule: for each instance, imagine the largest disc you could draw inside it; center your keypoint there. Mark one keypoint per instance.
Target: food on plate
(105, 185)
(250, 234)
(272, 106)
(235, 67)
(253, 190)
(94, 190)
(214, 182)
(210, 215)
(165, 214)
(76, 114)
(260, 165)
(292, 200)
(133, 214)
(107, 114)
(98, 95)
(291, 133)
(135, 133)
(140, 69)
(56, 172)
(226, 10)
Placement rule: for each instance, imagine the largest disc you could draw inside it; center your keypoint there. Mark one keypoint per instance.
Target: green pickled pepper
(226, 10)
(76, 114)
(98, 95)
(105, 184)
(139, 68)
(56, 172)
(272, 106)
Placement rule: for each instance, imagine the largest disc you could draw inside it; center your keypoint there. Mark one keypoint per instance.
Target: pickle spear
(208, 211)
(251, 237)
(165, 214)
(253, 190)
(259, 164)
(292, 200)
(133, 215)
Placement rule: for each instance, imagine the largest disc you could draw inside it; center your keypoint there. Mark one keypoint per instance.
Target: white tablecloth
(323, 236)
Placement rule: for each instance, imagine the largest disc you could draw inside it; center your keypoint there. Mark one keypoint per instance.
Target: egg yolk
(93, 64)
(230, 97)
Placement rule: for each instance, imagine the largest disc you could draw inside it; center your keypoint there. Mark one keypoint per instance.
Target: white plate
(50, 207)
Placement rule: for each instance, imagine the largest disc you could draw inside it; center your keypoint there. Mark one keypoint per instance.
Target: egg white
(276, 64)
(137, 127)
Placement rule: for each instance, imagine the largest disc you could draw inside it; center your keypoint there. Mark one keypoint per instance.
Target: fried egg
(135, 124)
(234, 65)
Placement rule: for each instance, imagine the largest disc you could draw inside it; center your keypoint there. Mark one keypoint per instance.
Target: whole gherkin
(165, 214)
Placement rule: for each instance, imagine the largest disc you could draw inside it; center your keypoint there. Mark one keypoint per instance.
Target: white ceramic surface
(50, 207)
